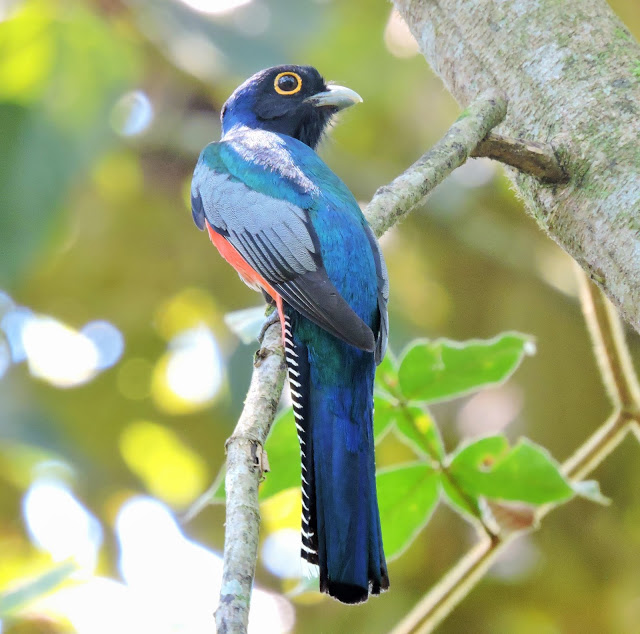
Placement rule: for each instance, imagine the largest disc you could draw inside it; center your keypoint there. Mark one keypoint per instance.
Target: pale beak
(336, 96)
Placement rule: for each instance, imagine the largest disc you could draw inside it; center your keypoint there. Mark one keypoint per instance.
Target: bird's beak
(336, 96)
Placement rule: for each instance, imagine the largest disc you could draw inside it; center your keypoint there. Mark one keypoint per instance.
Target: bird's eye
(287, 83)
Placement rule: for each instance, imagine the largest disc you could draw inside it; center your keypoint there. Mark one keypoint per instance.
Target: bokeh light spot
(180, 578)
(107, 339)
(58, 354)
(282, 510)
(281, 553)
(5, 356)
(490, 411)
(59, 524)
(189, 375)
(168, 468)
(187, 309)
(27, 54)
(13, 324)
(6, 303)
(214, 7)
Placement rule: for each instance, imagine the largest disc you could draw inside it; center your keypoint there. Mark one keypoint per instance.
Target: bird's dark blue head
(292, 100)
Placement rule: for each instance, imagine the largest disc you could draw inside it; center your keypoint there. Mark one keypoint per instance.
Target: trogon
(293, 230)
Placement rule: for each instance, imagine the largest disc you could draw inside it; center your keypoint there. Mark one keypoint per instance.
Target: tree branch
(536, 159)
(613, 358)
(244, 469)
(567, 69)
(244, 448)
(394, 201)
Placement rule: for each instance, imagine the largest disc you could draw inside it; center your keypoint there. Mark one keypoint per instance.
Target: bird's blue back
(332, 380)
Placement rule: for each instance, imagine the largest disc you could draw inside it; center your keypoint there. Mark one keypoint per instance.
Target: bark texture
(245, 465)
(571, 74)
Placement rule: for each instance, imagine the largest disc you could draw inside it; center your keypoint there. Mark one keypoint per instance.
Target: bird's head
(292, 100)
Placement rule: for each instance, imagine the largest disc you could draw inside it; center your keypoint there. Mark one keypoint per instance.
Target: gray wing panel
(261, 223)
(276, 238)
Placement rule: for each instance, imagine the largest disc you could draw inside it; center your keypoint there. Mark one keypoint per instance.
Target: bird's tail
(340, 519)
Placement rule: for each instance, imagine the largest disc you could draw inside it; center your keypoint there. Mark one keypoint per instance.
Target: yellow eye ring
(287, 73)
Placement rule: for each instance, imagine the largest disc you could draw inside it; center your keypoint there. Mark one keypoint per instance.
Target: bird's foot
(272, 318)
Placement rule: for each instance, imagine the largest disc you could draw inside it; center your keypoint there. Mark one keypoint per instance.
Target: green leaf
(457, 482)
(442, 369)
(526, 473)
(384, 416)
(21, 597)
(407, 496)
(416, 427)
(283, 451)
(460, 500)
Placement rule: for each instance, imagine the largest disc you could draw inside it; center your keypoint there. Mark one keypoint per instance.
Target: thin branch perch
(244, 469)
(394, 201)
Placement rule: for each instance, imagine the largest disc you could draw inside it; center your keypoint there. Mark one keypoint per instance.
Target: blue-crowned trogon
(293, 230)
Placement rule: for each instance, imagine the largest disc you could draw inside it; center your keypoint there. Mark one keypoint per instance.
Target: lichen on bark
(567, 70)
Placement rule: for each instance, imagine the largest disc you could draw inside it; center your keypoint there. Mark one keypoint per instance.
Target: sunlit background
(122, 359)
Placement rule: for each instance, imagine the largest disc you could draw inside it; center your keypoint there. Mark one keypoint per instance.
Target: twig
(394, 201)
(389, 204)
(536, 159)
(619, 376)
(609, 345)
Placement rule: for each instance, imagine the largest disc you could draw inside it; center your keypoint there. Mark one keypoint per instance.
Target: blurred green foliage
(104, 106)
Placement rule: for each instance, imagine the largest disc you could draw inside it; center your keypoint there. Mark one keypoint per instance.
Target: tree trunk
(571, 74)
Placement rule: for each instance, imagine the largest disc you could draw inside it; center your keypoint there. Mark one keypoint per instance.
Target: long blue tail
(332, 391)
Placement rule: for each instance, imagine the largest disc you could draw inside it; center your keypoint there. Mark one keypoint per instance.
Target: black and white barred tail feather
(298, 371)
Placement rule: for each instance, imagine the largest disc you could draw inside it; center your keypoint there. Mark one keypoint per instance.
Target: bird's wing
(383, 296)
(274, 236)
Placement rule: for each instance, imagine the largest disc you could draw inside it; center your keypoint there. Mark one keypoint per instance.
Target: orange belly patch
(244, 269)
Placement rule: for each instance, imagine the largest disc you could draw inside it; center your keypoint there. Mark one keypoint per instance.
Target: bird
(294, 232)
